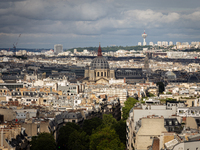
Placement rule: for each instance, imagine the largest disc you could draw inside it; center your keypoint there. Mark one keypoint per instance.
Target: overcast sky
(84, 23)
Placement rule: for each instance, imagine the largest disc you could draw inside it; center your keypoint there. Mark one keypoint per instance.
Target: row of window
(98, 74)
(30, 100)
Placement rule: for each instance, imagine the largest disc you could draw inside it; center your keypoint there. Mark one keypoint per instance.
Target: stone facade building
(99, 71)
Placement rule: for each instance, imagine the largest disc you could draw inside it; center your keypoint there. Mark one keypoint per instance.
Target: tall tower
(144, 35)
(58, 48)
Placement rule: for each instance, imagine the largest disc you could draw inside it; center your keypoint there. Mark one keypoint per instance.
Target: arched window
(105, 74)
(97, 74)
(102, 74)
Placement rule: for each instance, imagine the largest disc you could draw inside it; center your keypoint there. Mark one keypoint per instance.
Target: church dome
(99, 62)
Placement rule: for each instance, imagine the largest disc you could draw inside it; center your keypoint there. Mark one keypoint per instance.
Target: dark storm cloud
(73, 23)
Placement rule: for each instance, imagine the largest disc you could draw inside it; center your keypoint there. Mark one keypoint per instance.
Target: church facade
(99, 71)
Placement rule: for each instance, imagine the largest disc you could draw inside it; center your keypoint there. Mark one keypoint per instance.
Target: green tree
(108, 120)
(150, 94)
(127, 107)
(78, 141)
(105, 139)
(161, 86)
(91, 124)
(120, 129)
(44, 141)
(64, 133)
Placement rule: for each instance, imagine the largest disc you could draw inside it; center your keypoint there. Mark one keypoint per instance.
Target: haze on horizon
(78, 23)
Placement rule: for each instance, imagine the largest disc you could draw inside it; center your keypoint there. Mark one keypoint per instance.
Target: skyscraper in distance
(58, 48)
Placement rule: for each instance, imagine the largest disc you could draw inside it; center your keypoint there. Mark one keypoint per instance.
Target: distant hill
(111, 48)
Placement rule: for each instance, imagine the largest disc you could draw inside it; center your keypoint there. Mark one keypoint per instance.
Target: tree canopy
(78, 141)
(91, 124)
(108, 120)
(44, 141)
(95, 134)
(127, 107)
(64, 134)
(106, 139)
(120, 128)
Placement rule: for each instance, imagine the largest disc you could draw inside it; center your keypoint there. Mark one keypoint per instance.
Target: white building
(139, 43)
(188, 111)
(164, 43)
(171, 43)
(151, 43)
(159, 43)
(58, 48)
(178, 43)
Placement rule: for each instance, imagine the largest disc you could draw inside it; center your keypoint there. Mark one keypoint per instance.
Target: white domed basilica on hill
(99, 71)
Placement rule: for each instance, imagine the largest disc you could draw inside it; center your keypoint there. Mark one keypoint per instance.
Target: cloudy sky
(83, 23)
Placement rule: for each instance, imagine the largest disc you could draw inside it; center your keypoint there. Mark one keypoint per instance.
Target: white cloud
(150, 16)
(195, 16)
(59, 19)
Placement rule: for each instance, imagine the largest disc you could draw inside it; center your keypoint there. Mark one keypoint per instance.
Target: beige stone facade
(150, 128)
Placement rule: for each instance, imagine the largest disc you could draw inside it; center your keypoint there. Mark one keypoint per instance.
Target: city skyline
(42, 24)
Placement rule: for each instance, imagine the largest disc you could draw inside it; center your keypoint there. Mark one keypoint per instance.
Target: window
(102, 74)
(105, 74)
(97, 74)
(170, 123)
(176, 122)
(73, 121)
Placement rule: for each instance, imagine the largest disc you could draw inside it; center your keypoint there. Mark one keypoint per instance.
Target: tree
(44, 141)
(161, 86)
(78, 141)
(150, 94)
(105, 139)
(120, 129)
(91, 124)
(128, 105)
(108, 120)
(64, 133)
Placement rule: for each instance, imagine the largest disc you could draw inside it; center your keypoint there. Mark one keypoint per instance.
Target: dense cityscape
(144, 99)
